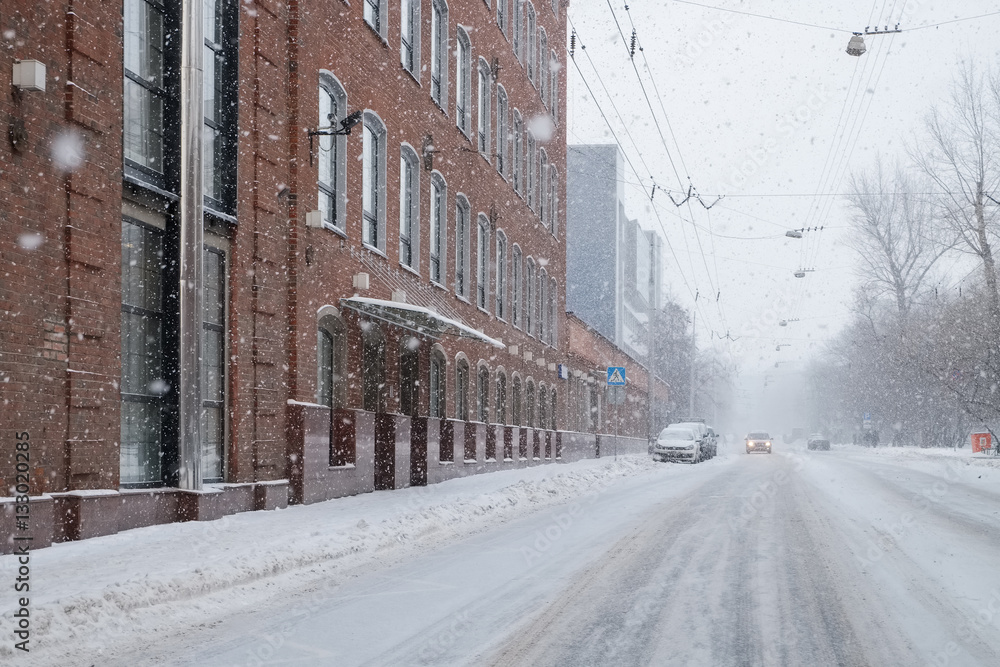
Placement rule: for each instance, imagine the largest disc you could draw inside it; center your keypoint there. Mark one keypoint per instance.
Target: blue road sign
(616, 376)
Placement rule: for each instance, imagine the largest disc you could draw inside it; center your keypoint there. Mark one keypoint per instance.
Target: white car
(759, 441)
(677, 443)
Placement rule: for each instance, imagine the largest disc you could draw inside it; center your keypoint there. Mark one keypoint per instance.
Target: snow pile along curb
(149, 581)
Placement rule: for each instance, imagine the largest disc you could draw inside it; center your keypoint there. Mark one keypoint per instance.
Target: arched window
(515, 401)
(543, 186)
(554, 68)
(377, 16)
(331, 358)
(503, 132)
(439, 53)
(409, 206)
(483, 394)
(530, 35)
(543, 421)
(542, 301)
(439, 227)
(462, 216)
(501, 399)
(372, 367)
(409, 375)
(502, 16)
(529, 403)
(501, 276)
(485, 103)
(373, 182)
(529, 296)
(518, 165)
(409, 36)
(515, 299)
(552, 410)
(553, 312)
(332, 152)
(462, 390)
(436, 384)
(463, 75)
(531, 154)
(553, 200)
(543, 65)
(518, 40)
(483, 262)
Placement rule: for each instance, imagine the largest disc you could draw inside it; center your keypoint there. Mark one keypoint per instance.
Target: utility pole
(694, 322)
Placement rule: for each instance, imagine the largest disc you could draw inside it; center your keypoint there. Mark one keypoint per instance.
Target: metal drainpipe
(191, 242)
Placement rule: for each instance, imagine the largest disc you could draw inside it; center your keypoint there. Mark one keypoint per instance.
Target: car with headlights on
(677, 443)
(758, 441)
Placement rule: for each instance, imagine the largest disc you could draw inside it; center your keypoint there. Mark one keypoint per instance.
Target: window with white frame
(463, 74)
(554, 68)
(462, 218)
(376, 16)
(517, 28)
(439, 225)
(503, 132)
(409, 206)
(543, 186)
(553, 200)
(532, 160)
(331, 361)
(373, 182)
(439, 52)
(436, 384)
(462, 390)
(530, 36)
(332, 181)
(500, 413)
(553, 312)
(529, 297)
(485, 102)
(542, 301)
(483, 261)
(502, 16)
(518, 165)
(543, 65)
(515, 298)
(501, 276)
(409, 36)
(483, 394)
(555, 7)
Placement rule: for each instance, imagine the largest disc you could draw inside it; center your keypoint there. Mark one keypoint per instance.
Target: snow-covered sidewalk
(132, 581)
(932, 460)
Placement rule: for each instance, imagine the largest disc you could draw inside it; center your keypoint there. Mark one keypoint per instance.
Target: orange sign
(981, 441)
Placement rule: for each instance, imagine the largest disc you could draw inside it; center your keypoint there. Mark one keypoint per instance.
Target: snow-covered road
(846, 557)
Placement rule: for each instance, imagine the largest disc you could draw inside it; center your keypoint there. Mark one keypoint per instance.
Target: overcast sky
(764, 111)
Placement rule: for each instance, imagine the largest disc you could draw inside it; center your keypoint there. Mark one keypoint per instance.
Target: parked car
(758, 441)
(705, 434)
(817, 441)
(677, 443)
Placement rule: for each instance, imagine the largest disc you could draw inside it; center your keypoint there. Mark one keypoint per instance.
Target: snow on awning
(416, 318)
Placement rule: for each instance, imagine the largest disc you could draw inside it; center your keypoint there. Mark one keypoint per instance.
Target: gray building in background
(614, 266)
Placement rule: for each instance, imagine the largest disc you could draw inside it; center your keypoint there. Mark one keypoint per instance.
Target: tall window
(529, 403)
(529, 297)
(462, 390)
(501, 401)
(543, 421)
(515, 401)
(554, 88)
(518, 153)
(409, 36)
(436, 384)
(332, 152)
(143, 385)
(541, 300)
(553, 312)
(409, 206)
(543, 65)
(515, 299)
(553, 200)
(552, 410)
(530, 184)
(463, 74)
(439, 225)
(376, 12)
(372, 367)
(483, 395)
(462, 215)
(502, 15)
(482, 261)
(543, 186)
(503, 131)
(439, 52)
(145, 94)
(409, 376)
(517, 29)
(529, 41)
(483, 131)
(373, 182)
(219, 105)
(501, 279)
(331, 358)
(213, 365)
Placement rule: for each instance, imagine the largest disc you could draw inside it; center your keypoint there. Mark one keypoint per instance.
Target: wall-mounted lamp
(427, 151)
(343, 129)
(29, 75)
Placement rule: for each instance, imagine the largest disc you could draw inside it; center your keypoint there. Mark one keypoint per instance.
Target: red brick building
(382, 265)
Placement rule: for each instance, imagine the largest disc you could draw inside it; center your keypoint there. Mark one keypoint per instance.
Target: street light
(856, 47)
(344, 128)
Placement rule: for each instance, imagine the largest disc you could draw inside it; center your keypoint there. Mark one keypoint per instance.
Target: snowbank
(136, 585)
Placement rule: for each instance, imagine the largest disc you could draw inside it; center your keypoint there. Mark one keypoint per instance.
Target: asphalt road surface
(794, 558)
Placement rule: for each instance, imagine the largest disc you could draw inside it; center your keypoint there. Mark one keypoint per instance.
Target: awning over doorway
(418, 319)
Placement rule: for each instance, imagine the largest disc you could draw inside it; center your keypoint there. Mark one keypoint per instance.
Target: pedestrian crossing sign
(616, 376)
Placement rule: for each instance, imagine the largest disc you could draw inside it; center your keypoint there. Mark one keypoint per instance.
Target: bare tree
(895, 235)
(960, 157)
